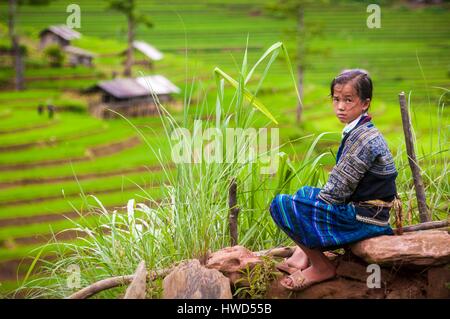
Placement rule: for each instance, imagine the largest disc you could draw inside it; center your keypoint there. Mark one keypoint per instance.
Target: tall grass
(191, 219)
(433, 161)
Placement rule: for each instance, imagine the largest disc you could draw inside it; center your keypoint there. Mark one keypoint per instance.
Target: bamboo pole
(417, 177)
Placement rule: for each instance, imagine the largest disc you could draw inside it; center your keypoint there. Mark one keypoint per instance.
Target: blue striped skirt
(315, 224)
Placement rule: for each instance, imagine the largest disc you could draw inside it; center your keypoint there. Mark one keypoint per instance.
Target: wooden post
(234, 212)
(417, 177)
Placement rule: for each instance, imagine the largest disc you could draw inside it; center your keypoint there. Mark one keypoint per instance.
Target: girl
(354, 203)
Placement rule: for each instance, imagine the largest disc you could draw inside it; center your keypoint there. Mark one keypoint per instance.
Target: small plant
(256, 281)
(54, 55)
(154, 289)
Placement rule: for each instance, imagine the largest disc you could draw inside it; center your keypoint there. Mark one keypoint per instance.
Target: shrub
(54, 55)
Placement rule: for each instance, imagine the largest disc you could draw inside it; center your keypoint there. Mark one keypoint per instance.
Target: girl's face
(347, 104)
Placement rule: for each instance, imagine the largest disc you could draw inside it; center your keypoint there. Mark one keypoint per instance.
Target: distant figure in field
(40, 109)
(51, 110)
(355, 202)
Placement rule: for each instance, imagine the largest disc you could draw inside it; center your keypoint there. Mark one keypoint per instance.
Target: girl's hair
(361, 82)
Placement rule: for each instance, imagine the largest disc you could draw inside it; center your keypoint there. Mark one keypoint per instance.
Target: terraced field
(47, 165)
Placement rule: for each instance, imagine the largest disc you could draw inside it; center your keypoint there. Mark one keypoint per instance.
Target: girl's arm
(354, 163)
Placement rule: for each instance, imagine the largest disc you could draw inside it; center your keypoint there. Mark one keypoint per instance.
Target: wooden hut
(57, 34)
(131, 96)
(78, 56)
(149, 52)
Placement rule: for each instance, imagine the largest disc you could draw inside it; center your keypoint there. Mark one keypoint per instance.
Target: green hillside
(46, 165)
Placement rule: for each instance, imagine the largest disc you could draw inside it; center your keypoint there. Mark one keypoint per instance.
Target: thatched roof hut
(57, 34)
(132, 96)
(78, 56)
(147, 54)
(149, 51)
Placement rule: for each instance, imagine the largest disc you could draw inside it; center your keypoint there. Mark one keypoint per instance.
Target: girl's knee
(273, 205)
(276, 208)
(307, 192)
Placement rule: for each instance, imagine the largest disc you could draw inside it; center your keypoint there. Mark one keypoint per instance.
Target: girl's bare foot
(310, 276)
(298, 259)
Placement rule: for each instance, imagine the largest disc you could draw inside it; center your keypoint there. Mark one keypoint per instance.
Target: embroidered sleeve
(359, 156)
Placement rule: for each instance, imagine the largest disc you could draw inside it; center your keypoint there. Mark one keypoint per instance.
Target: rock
(438, 279)
(138, 287)
(352, 270)
(406, 288)
(337, 288)
(231, 261)
(357, 271)
(190, 280)
(284, 252)
(421, 248)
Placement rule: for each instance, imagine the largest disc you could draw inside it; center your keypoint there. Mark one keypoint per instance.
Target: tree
(17, 52)
(134, 18)
(18, 61)
(295, 9)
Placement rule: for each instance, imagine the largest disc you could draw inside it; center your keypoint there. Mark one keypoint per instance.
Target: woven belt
(372, 221)
(396, 204)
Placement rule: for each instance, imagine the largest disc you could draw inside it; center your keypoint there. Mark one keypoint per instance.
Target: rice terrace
(145, 140)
